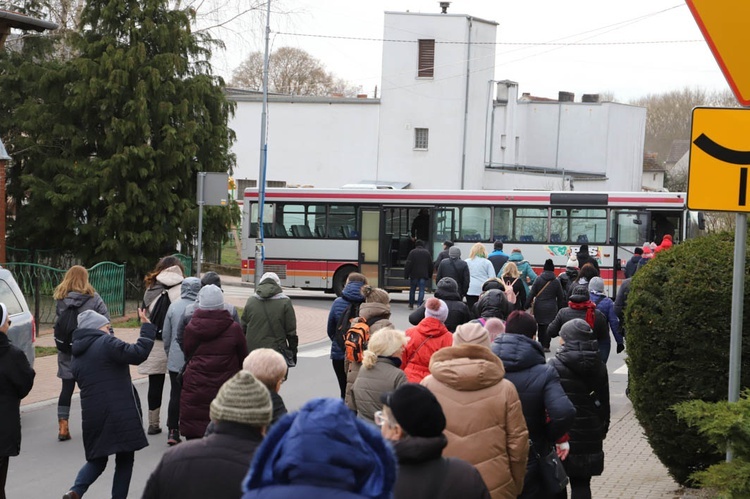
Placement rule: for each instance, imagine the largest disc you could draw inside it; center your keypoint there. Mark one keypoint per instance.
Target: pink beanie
(495, 327)
(435, 307)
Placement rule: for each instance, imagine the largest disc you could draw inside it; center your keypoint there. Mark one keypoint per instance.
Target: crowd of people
(463, 403)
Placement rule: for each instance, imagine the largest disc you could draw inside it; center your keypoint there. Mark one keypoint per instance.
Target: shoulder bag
(533, 302)
(551, 467)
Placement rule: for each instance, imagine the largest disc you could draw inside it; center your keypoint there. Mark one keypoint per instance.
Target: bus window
(445, 225)
(502, 224)
(531, 225)
(267, 220)
(342, 221)
(474, 223)
(559, 229)
(588, 225)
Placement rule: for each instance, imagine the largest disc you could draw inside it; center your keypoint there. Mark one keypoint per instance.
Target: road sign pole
(738, 291)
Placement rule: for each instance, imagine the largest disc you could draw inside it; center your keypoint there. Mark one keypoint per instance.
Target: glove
(620, 347)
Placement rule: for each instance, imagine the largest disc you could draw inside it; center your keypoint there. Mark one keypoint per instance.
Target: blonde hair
(76, 279)
(511, 270)
(267, 365)
(478, 250)
(387, 342)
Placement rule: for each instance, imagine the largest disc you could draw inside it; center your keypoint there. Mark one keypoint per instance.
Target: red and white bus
(313, 238)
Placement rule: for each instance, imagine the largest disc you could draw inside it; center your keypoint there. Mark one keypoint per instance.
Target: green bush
(678, 321)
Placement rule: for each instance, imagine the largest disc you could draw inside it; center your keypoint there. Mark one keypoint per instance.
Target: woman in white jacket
(480, 269)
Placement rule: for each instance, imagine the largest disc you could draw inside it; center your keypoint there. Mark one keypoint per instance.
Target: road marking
(623, 369)
(315, 352)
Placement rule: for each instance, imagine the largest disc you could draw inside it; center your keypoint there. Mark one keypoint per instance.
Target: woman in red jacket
(426, 338)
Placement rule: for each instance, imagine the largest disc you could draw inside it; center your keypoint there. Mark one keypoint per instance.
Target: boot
(71, 495)
(63, 432)
(174, 437)
(153, 422)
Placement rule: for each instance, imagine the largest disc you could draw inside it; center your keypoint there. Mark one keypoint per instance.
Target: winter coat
(441, 256)
(458, 270)
(83, 302)
(621, 302)
(519, 290)
(666, 243)
(606, 306)
(493, 303)
(583, 376)
(485, 423)
(584, 258)
(480, 269)
(322, 452)
(425, 338)
(188, 294)
(528, 276)
(270, 304)
(458, 312)
(16, 380)
(169, 279)
(546, 298)
(215, 349)
(567, 280)
(110, 408)
(350, 294)
(385, 376)
(279, 409)
(632, 266)
(213, 466)
(601, 328)
(424, 474)
(498, 260)
(183, 321)
(541, 395)
(418, 264)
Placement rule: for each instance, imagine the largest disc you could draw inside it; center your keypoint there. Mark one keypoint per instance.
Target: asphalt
(631, 469)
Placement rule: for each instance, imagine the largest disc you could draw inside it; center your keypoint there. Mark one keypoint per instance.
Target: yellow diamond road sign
(719, 160)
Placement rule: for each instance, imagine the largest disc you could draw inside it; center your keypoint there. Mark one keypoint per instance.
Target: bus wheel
(339, 278)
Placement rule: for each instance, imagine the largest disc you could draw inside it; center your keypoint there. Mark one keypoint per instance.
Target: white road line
(316, 352)
(621, 370)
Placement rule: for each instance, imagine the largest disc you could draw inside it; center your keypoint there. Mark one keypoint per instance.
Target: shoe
(174, 437)
(63, 432)
(546, 349)
(411, 307)
(71, 495)
(153, 422)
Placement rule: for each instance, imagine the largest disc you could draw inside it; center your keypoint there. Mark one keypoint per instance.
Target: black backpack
(350, 312)
(159, 312)
(66, 323)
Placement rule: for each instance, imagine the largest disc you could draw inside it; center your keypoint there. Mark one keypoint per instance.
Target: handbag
(552, 470)
(533, 302)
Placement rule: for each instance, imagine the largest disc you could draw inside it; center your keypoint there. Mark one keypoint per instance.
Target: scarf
(589, 307)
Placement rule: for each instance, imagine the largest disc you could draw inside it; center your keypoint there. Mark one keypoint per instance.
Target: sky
(621, 63)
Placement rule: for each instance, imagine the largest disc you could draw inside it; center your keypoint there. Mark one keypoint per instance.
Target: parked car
(22, 332)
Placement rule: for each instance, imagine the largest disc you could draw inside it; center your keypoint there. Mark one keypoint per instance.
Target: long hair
(164, 263)
(386, 342)
(478, 250)
(76, 279)
(511, 271)
(588, 271)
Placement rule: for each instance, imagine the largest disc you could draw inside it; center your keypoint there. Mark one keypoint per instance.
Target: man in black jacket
(418, 270)
(456, 268)
(215, 466)
(413, 421)
(632, 264)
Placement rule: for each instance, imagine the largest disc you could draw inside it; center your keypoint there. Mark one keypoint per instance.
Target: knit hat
(211, 277)
(272, 276)
(448, 284)
(471, 333)
(435, 307)
(495, 327)
(454, 252)
(243, 399)
(210, 298)
(520, 322)
(580, 294)
(88, 319)
(572, 262)
(416, 410)
(596, 286)
(549, 265)
(576, 329)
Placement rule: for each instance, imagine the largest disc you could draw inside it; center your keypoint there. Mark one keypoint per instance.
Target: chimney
(590, 98)
(565, 96)
(444, 6)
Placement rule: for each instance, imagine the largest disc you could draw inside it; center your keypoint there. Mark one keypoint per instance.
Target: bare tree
(291, 71)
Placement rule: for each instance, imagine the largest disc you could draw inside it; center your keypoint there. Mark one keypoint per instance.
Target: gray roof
(677, 150)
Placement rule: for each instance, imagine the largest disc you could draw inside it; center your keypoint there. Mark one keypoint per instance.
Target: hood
(547, 276)
(76, 299)
(170, 276)
(447, 290)
(467, 368)
(208, 324)
(432, 327)
(572, 273)
(581, 357)
(518, 352)
(268, 289)
(190, 288)
(84, 338)
(493, 304)
(419, 449)
(352, 292)
(374, 310)
(515, 257)
(325, 445)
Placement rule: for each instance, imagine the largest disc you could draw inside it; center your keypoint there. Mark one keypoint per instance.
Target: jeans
(422, 283)
(95, 467)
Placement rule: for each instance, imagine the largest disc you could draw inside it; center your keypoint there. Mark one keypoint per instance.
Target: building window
(421, 138)
(426, 60)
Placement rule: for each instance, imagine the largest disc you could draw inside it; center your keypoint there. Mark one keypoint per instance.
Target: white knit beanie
(435, 307)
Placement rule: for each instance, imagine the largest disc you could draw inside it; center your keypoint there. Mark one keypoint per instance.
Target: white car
(22, 332)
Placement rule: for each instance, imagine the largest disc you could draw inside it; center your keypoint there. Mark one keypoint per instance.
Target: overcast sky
(625, 67)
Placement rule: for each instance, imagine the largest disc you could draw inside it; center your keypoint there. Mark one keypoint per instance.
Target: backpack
(66, 323)
(356, 340)
(159, 312)
(342, 326)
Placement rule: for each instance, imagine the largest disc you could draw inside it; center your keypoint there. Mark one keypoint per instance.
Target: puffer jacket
(168, 278)
(322, 451)
(110, 407)
(528, 276)
(584, 378)
(485, 423)
(215, 348)
(16, 380)
(351, 294)
(493, 303)
(425, 339)
(458, 312)
(567, 280)
(82, 302)
(606, 306)
(385, 376)
(601, 327)
(549, 301)
(188, 293)
(269, 303)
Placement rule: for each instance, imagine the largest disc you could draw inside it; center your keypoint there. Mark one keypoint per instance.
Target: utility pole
(263, 156)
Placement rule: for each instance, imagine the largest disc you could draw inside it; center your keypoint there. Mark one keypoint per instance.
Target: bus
(313, 238)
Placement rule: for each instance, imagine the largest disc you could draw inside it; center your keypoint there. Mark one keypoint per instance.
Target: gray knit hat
(243, 399)
(454, 252)
(596, 286)
(88, 319)
(576, 329)
(210, 298)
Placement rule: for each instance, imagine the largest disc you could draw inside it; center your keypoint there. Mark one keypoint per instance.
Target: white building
(443, 122)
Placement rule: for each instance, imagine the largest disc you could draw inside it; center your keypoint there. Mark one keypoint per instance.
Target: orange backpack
(356, 339)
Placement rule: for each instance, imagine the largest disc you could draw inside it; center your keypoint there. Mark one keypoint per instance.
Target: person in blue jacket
(606, 306)
(111, 413)
(351, 295)
(528, 276)
(322, 452)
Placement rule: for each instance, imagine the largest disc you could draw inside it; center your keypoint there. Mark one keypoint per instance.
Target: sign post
(211, 191)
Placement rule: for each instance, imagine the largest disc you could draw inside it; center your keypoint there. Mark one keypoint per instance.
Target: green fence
(187, 262)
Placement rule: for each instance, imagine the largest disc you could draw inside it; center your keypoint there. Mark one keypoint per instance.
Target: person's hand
(563, 450)
(142, 316)
(620, 347)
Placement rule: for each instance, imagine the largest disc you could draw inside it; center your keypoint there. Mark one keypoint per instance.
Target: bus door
(631, 230)
(370, 252)
(397, 242)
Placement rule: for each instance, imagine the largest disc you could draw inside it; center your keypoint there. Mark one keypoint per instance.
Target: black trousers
(340, 370)
(173, 409)
(3, 474)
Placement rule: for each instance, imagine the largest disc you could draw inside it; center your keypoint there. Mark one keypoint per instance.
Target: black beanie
(580, 294)
(211, 277)
(549, 265)
(520, 322)
(416, 410)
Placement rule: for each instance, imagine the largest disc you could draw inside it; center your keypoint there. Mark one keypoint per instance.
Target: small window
(474, 223)
(421, 138)
(426, 60)
(502, 224)
(531, 225)
(588, 225)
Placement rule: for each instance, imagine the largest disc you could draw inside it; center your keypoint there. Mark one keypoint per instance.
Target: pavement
(631, 469)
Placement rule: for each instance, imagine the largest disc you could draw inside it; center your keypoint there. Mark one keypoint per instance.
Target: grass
(45, 351)
(133, 322)
(229, 256)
